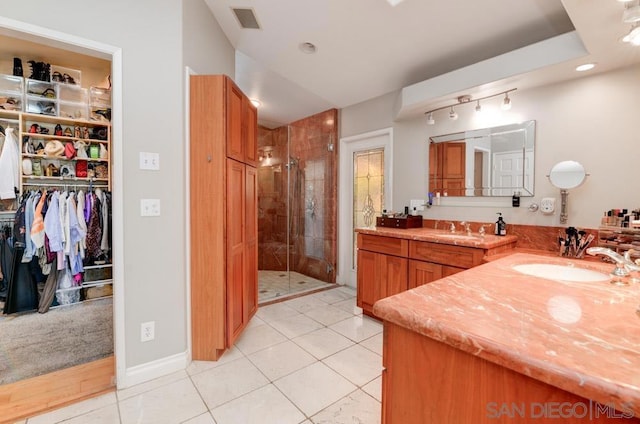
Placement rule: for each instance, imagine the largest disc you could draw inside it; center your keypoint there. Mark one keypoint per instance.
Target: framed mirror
(496, 161)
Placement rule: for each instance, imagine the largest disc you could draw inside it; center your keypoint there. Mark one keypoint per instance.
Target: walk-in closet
(56, 268)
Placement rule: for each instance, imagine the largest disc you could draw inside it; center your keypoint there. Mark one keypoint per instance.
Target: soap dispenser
(501, 226)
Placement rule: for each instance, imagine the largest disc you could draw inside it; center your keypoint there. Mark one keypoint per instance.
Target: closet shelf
(35, 117)
(29, 155)
(63, 138)
(68, 180)
(97, 266)
(97, 283)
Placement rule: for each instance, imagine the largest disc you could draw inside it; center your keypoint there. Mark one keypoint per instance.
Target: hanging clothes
(94, 231)
(9, 165)
(22, 294)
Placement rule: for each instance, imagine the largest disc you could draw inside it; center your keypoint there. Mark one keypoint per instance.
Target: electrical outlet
(149, 207)
(548, 205)
(147, 331)
(416, 203)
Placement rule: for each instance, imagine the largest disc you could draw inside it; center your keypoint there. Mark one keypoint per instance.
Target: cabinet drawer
(388, 245)
(457, 256)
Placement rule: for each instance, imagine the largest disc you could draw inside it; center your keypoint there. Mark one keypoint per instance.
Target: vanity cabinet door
(423, 272)
(379, 276)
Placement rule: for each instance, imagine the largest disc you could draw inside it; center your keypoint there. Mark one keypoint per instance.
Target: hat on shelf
(54, 148)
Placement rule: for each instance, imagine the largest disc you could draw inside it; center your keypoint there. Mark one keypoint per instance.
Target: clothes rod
(70, 184)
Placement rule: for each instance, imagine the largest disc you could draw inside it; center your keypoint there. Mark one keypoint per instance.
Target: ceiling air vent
(246, 18)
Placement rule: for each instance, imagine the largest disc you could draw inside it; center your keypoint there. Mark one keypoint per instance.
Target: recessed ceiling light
(257, 103)
(585, 67)
(308, 48)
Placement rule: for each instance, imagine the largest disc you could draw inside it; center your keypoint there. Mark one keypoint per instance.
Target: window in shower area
(297, 207)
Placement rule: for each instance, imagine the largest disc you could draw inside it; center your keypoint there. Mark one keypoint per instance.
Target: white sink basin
(561, 272)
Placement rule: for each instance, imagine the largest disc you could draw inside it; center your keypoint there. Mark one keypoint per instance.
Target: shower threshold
(276, 285)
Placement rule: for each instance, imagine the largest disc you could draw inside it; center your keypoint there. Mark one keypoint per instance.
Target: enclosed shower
(297, 195)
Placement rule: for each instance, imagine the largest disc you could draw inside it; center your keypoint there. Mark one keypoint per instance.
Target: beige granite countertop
(583, 337)
(489, 241)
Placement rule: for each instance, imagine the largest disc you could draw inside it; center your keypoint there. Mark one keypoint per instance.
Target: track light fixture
(453, 115)
(506, 103)
(631, 15)
(430, 120)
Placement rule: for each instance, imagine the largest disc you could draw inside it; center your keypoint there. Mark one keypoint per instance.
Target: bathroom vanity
(392, 260)
(493, 344)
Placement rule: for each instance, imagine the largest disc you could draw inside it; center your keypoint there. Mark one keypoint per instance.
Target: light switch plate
(149, 207)
(548, 205)
(149, 161)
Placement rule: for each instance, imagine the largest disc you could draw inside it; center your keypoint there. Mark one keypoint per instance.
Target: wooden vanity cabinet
(390, 265)
(223, 214)
(382, 267)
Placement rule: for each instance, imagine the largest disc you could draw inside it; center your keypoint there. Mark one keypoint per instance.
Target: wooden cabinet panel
(426, 381)
(379, 276)
(366, 279)
(447, 167)
(389, 245)
(453, 159)
(251, 242)
(235, 249)
(251, 138)
(207, 232)
(234, 121)
(458, 256)
(450, 270)
(423, 272)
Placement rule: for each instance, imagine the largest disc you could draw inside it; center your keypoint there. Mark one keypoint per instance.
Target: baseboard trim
(154, 369)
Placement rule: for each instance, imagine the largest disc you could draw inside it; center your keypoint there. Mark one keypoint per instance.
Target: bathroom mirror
(567, 174)
(496, 161)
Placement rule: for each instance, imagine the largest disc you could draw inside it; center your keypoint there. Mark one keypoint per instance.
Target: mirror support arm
(564, 215)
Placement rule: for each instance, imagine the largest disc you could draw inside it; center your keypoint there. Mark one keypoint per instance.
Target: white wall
(592, 120)
(206, 49)
(150, 33)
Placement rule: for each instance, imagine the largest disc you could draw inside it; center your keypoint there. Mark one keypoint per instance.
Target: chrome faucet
(467, 227)
(482, 231)
(624, 264)
(452, 226)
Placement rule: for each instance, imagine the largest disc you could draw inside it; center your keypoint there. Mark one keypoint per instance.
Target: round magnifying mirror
(567, 174)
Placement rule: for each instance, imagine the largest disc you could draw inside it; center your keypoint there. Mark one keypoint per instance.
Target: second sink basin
(561, 272)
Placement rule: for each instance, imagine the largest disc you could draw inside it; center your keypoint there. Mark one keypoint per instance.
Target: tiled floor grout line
(301, 310)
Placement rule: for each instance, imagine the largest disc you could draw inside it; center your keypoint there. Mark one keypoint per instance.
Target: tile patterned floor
(310, 360)
(273, 285)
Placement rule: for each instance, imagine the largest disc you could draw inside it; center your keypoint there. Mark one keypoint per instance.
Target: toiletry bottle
(406, 211)
(515, 199)
(501, 226)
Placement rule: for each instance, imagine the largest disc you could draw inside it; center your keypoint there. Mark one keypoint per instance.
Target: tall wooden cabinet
(224, 219)
(447, 167)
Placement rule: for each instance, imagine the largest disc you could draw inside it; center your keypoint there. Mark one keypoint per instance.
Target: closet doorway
(47, 355)
(297, 198)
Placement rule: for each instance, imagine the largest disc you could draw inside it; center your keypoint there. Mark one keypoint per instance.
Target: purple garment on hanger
(87, 207)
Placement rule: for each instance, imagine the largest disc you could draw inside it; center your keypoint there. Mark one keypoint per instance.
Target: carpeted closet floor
(33, 344)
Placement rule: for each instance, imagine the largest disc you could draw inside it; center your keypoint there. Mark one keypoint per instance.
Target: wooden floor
(35, 395)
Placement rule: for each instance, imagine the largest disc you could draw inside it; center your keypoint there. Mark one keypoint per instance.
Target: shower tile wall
(313, 196)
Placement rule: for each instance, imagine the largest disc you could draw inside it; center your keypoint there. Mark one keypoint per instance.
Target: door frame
(383, 138)
(60, 39)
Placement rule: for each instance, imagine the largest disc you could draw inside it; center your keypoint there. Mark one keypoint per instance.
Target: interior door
(356, 202)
